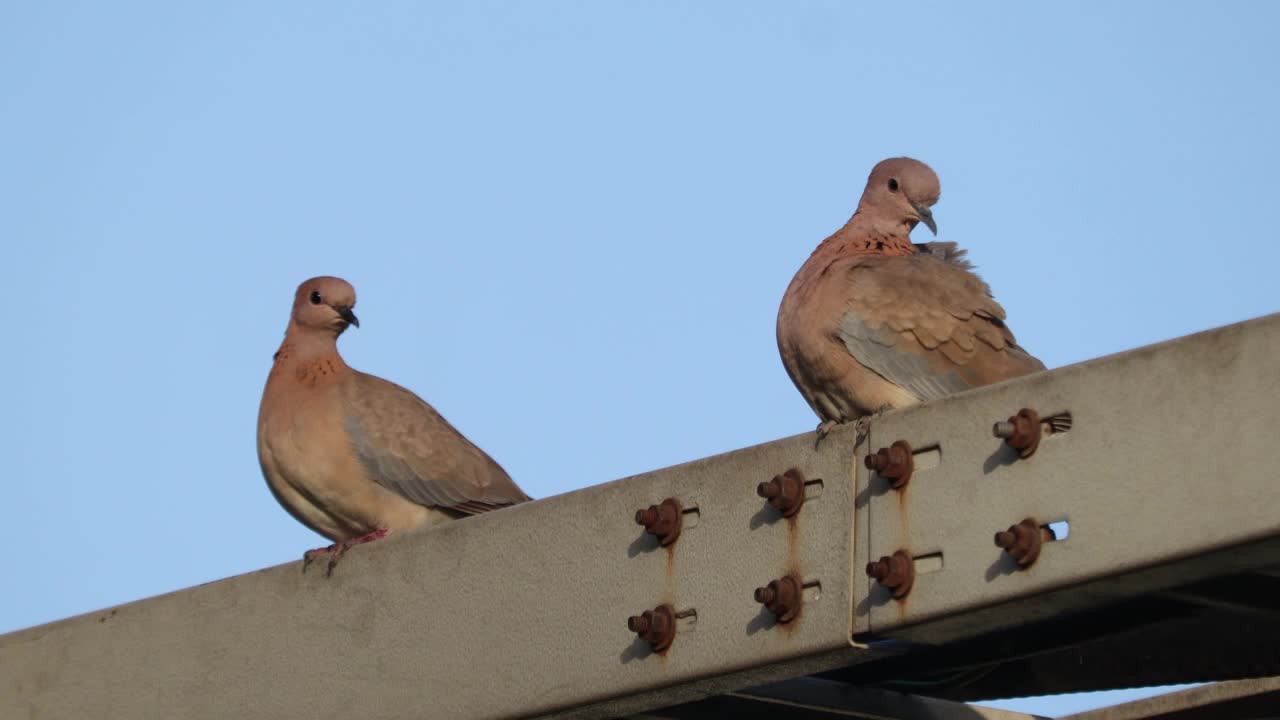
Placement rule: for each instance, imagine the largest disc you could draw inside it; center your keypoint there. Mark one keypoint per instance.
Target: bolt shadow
(1005, 455)
(875, 488)
(766, 515)
(646, 543)
(1006, 565)
(878, 597)
(637, 650)
(763, 620)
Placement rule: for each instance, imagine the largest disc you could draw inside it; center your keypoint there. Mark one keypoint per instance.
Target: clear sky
(569, 225)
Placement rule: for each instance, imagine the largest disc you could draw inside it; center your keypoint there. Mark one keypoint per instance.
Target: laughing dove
(353, 456)
(872, 321)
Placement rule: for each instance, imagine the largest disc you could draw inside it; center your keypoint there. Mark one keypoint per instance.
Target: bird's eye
(893, 184)
(315, 297)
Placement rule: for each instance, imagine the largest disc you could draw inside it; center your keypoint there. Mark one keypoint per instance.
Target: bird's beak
(345, 313)
(926, 217)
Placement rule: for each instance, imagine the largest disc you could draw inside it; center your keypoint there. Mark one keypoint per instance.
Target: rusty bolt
(656, 627)
(1021, 541)
(661, 520)
(1020, 432)
(892, 463)
(896, 572)
(782, 597)
(784, 492)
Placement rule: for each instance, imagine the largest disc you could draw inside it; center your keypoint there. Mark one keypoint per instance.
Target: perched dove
(872, 321)
(353, 456)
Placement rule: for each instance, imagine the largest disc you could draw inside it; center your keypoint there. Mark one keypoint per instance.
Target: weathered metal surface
(483, 618)
(1161, 460)
(1165, 476)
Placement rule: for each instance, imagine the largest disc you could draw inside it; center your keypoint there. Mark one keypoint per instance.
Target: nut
(893, 463)
(1020, 432)
(896, 572)
(784, 492)
(782, 597)
(656, 627)
(662, 520)
(1022, 541)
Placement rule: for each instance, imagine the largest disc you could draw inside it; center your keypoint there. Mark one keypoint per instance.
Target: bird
(355, 457)
(873, 321)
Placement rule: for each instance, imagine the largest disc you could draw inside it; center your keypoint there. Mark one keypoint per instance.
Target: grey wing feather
(928, 324)
(911, 371)
(410, 449)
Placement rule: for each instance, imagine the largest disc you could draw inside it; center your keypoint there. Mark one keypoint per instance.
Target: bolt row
(1021, 432)
(782, 597)
(1022, 541)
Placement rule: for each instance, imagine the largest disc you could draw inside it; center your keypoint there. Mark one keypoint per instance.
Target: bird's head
(325, 303)
(900, 193)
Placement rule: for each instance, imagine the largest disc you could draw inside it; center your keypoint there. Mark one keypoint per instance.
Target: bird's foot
(863, 424)
(863, 427)
(309, 556)
(336, 550)
(824, 428)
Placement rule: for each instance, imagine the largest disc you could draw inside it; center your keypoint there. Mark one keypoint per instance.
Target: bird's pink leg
(336, 550)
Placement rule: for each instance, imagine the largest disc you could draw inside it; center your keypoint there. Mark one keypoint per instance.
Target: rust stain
(904, 517)
(669, 583)
(793, 548)
(793, 540)
(788, 629)
(793, 568)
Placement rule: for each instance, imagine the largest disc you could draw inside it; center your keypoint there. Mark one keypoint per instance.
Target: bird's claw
(862, 425)
(863, 428)
(336, 550)
(824, 428)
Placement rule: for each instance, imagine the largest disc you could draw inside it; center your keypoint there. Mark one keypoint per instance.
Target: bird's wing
(408, 448)
(928, 324)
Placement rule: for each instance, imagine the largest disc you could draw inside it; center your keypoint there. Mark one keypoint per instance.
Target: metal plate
(1172, 454)
(516, 613)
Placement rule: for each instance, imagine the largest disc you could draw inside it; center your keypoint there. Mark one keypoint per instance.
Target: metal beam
(517, 612)
(1164, 478)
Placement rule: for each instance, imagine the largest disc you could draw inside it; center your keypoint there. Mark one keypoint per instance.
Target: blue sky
(569, 225)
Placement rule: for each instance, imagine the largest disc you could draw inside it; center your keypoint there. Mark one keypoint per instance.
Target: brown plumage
(353, 456)
(872, 321)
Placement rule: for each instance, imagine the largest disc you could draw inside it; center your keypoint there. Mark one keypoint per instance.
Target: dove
(873, 321)
(355, 457)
